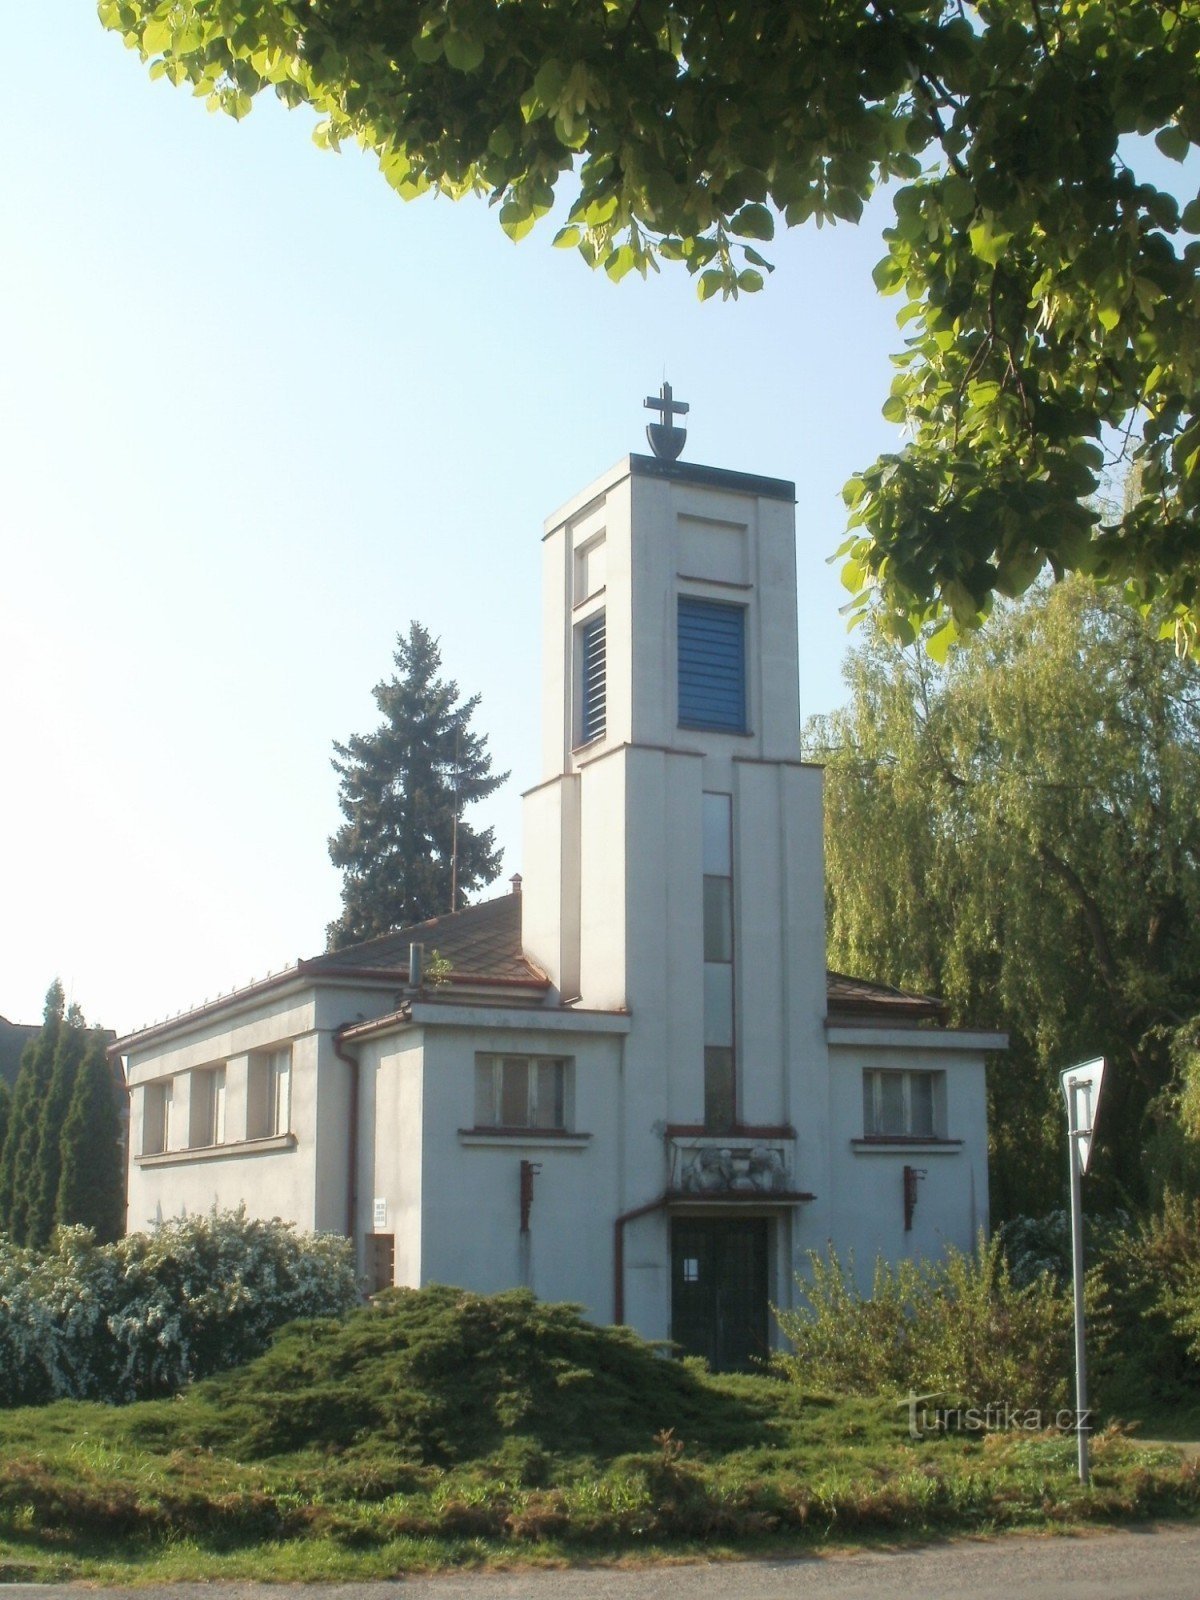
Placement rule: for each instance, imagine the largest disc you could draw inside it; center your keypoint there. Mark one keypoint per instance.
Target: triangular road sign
(1081, 1091)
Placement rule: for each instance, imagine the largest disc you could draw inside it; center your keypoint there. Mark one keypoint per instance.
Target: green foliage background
(1051, 317)
(61, 1156)
(1018, 831)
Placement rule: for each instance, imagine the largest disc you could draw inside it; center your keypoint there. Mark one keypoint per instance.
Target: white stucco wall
(867, 1177)
(470, 1213)
(302, 1178)
(276, 1179)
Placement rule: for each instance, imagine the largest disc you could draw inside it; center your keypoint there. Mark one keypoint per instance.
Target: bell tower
(673, 861)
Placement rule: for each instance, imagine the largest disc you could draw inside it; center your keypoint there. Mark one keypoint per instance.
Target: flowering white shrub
(157, 1310)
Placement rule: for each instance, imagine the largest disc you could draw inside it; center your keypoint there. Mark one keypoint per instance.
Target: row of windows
(267, 1105)
(536, 1092)
(712, 669)
(531, 1092)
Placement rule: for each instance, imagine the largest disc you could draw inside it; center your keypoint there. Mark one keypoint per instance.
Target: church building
(631, 1082)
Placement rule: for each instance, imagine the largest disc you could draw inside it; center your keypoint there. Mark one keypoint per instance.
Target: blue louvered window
(712, 665)
(594, 675)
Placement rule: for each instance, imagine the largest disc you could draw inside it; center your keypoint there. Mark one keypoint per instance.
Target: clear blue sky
(256, 414)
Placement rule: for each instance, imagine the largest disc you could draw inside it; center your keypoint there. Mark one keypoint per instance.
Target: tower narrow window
(720, 1098)
(594, 677)
(712, 665)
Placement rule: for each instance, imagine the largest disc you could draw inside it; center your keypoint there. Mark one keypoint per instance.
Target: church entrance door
(719, 1289)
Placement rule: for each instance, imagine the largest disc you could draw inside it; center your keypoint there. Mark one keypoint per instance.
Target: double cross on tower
(666, 440)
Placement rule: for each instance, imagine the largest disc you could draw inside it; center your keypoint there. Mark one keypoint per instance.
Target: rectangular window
(712, 665)
(156, 1118)
(208, 1107)
(718, 919)
(902, 1105)
(589, 568)
(718, 1088)
(594, 679)
(269, 1093)
(520, 1092)
(720, 1092)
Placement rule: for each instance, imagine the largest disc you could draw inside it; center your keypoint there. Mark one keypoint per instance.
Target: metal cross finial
(666, 440)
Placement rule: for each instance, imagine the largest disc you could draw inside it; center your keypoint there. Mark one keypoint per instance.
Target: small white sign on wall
(379, 1215)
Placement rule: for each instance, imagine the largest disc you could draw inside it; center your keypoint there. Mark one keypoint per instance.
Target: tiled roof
(484, 941)
(858, 997)
(481, 942)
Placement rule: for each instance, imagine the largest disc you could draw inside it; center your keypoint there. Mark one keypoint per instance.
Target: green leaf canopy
(1051, 295)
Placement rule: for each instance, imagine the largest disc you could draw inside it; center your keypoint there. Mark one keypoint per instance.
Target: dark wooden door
(719, 1289)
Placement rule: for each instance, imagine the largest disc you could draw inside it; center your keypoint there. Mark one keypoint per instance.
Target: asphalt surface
(1159, 1563)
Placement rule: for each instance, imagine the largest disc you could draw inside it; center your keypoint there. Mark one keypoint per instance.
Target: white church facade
(634, 1085)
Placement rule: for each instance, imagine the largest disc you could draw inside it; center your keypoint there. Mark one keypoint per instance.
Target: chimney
(416, 965)
(515, 880)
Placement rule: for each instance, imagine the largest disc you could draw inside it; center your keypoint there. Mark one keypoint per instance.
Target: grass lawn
(449, 1430)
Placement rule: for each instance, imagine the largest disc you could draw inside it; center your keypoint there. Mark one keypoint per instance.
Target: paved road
(1142, 1564)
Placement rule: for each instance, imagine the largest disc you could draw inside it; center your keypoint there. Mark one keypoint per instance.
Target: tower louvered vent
(594, 679)
(712, 665)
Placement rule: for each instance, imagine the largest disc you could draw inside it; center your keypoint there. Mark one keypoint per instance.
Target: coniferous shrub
(440, 1375)
(69, 1051)
(89, 1176)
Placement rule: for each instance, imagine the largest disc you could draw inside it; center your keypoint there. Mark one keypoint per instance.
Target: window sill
(556, 1138)
(218, 1152)
(889, 1144)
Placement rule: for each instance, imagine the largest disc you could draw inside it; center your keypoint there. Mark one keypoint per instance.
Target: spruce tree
(68, 1053)
(91, 1188)
(402, 788)
(18, 1162)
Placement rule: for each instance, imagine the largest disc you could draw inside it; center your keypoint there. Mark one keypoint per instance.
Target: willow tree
(1048, 274)
(1018, 830)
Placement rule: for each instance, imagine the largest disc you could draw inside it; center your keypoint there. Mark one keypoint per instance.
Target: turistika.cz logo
(996, 1417)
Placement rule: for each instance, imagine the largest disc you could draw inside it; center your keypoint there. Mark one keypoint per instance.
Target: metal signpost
(1081, 1091)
